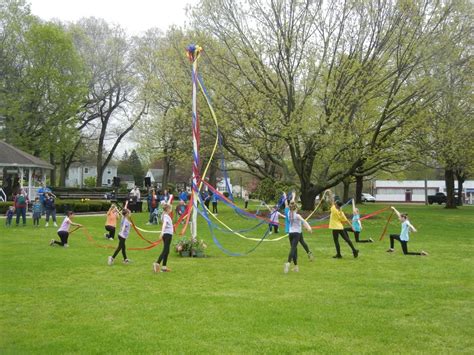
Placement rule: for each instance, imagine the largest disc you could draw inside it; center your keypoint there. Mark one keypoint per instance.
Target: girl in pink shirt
(63, 231)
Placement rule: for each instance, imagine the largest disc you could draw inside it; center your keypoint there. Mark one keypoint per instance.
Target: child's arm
(281, 215)
(395, 210)
(353, 206)
(306, 225)
(411, 227)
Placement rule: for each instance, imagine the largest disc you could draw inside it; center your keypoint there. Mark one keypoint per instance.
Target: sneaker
(390, 250)
(424, 253)
(148, 223)
(310, 256)
(110, 238)
(371, 240)
(296, 269)
(47, 224)
(106, 236)
(165, 269)
(110, 260)
(356, 253)
(337, 256)
(286, 268)
(51, 243)
(66, 245)
(156, 267)
(127, 261)
(55, 224)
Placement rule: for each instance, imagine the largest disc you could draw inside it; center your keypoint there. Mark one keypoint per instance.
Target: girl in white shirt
(295, 234)
(122, 236)
(167, 230)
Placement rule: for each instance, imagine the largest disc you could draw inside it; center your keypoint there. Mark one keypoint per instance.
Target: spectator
(21, 205)
(50, 208)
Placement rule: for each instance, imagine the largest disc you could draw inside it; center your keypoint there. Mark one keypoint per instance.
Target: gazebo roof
(14, 157)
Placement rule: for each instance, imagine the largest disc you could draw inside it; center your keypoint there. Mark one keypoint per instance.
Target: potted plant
(190, 247)
(183, 246)
(198, 247)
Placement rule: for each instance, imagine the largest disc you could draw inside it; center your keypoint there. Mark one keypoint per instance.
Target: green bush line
(70, 205)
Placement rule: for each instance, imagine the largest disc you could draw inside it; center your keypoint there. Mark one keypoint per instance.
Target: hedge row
(70, 205)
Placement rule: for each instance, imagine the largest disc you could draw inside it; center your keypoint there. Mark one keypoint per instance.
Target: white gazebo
(16, 165)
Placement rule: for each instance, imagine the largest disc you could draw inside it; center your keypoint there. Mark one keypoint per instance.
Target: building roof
(14, 157)
(156, 174)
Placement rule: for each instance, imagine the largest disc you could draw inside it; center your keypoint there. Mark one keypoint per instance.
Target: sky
(135, 16)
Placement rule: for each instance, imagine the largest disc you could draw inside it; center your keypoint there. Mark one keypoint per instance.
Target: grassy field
(67, 300)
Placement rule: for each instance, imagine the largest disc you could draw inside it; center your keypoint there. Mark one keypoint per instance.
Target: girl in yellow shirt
(336, 221)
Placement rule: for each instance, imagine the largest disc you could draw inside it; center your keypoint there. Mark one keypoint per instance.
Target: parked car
(367, 197)
(440, 197)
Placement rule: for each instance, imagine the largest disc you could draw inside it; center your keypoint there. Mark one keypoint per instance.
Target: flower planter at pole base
(199, 254)
(186, 253)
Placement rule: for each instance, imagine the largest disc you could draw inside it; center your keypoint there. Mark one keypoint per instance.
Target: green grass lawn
(67, 300)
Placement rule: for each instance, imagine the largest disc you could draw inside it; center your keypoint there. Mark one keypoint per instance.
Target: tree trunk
(460, 188)
(52, 176)
(62, 173)
(213, 173)
(166, 171)
(345, 195)
(359, 187)
(308, 195)
(449, 179)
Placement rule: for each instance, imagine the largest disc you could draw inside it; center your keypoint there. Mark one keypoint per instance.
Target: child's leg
(357, 234)
(64, 237)
(275, 228)
(393, 237)
(53, 215)
(303, 243)
(119, 247)
(48, 213)
(294, 240)
(124, 249)
(166, 248)
(405, 248)
(345, 236)
(335, 237)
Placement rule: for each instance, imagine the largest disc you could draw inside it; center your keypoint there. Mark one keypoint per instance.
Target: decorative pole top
(193, 51)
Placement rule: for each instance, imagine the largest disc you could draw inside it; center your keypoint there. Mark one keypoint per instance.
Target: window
(86, 170)
(108, 172)
(108, 181)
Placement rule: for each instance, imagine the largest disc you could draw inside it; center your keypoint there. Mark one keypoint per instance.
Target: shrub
(4, 206)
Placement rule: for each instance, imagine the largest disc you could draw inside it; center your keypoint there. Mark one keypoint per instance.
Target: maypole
(193, 52)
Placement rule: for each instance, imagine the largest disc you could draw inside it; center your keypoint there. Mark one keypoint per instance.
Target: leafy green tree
(44, 85)
(115, 101)
(339, 81)
(131, 165)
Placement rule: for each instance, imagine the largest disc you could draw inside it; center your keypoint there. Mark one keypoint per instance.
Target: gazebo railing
(3, 195)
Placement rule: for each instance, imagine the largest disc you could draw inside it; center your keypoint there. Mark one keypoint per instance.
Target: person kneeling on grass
(111, 222)
(63, 231)
(122, 236)
(166, 234)
(404, 235)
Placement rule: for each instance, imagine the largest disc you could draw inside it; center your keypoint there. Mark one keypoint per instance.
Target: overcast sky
(136, 16)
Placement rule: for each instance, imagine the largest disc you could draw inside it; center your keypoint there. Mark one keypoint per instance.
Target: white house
(79, 172)
(222, 185)
(155, 176)
(414, 190)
